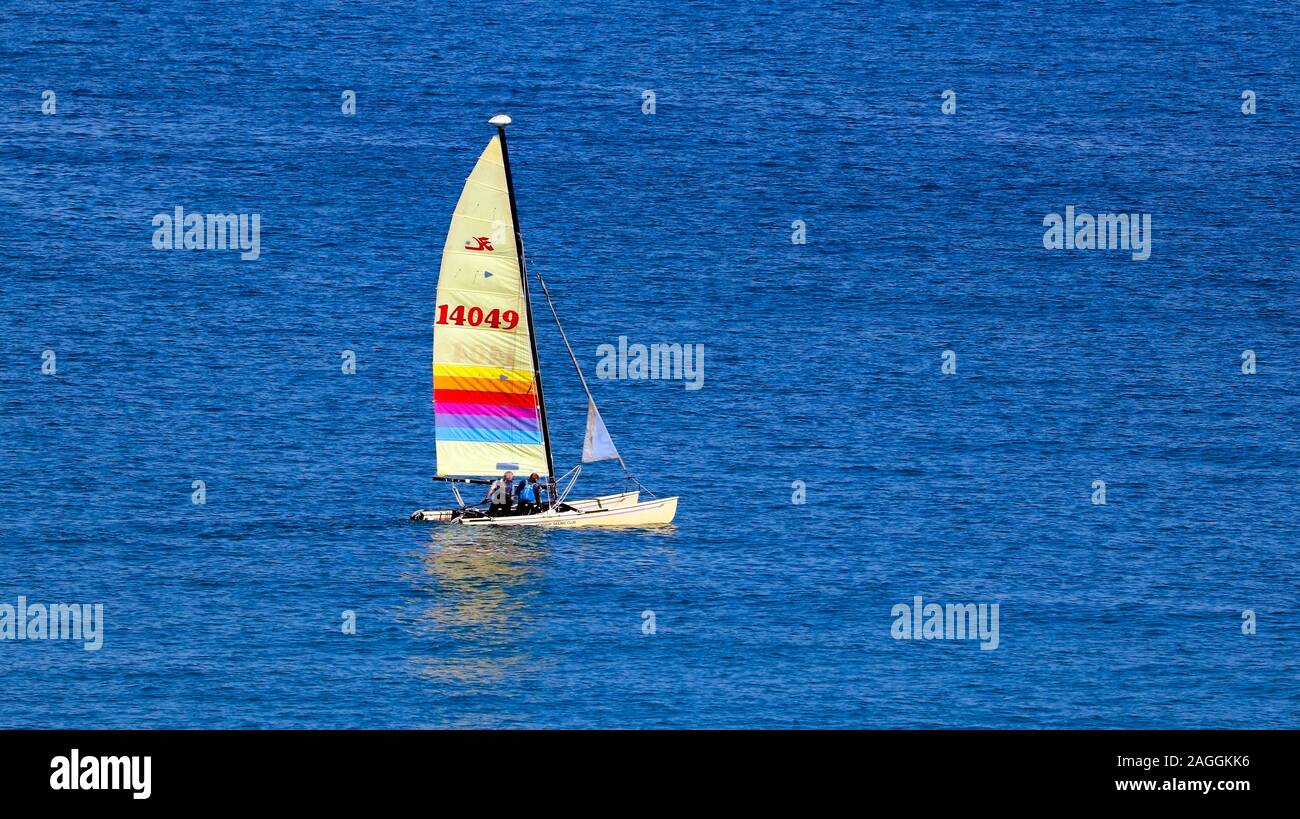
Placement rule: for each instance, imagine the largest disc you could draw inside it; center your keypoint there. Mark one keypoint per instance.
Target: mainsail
(486, 390)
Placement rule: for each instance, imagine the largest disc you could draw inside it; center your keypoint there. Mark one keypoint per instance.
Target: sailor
(530, 496)
(500, 493)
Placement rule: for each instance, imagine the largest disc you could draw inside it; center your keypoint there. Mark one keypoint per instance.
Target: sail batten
(486, 392)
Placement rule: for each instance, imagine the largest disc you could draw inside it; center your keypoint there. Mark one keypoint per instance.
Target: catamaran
(489, 409)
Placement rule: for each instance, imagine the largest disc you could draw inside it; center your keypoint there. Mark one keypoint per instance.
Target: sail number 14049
(475, 317)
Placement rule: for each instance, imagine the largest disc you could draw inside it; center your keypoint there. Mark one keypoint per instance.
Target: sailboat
(489, 408)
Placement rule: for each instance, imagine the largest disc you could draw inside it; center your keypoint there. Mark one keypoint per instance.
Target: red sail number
(494, 318)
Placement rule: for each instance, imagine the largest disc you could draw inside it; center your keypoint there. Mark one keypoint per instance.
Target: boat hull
(657, 512)
(615, 501)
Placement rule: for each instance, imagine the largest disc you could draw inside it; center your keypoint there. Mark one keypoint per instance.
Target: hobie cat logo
(484, 243)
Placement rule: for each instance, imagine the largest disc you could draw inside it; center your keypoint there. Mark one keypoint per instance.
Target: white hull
(615, 501)
(651, 513)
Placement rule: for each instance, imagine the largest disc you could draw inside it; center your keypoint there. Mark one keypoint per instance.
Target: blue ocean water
(822, 363)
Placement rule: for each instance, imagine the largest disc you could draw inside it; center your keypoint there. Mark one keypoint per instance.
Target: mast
(501, 121)
(578, 367)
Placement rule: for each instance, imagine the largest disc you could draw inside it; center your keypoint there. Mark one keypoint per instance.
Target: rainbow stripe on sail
(484, 389)
(486, 405)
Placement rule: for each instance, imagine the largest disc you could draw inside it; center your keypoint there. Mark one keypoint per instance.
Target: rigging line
(564, 337)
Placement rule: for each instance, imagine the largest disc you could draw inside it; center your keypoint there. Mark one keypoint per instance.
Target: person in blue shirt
(530, 496)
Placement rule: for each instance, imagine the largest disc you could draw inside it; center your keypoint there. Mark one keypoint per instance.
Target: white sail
(485, 391)
(596, 444)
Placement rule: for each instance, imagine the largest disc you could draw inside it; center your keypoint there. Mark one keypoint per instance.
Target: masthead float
(489, 407)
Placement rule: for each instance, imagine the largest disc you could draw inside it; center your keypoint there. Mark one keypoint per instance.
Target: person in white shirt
(501, 493)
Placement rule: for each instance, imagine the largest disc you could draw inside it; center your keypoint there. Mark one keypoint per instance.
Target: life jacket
(528, 493)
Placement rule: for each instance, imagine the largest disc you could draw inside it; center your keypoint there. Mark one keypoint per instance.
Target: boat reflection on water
(472, 604)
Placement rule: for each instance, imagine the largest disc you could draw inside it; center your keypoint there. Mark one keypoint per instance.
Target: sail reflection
(473, 610)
